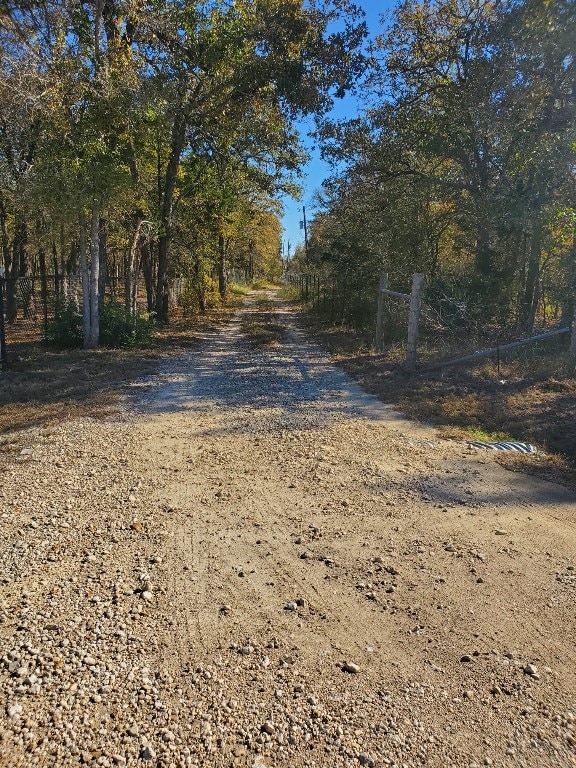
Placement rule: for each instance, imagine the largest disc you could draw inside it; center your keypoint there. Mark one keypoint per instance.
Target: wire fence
(29, 303)
(447, 329)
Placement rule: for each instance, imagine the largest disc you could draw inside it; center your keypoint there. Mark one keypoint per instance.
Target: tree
(464, 156)
(126, 124)
(214, 63)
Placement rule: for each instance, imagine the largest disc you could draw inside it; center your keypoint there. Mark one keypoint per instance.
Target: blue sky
(317, 170)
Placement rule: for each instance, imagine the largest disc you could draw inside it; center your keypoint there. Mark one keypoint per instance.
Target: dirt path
(263, 566)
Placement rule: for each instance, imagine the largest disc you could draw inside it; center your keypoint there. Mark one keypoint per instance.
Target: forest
(462, 166)
(148, 139)
(144, 141)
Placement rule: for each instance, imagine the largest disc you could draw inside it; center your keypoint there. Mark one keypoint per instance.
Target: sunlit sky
(316, 169)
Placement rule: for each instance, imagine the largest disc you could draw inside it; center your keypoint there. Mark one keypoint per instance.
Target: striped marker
(521, 447)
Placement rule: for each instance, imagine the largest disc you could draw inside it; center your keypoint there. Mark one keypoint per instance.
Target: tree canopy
(463, 166)
(127, 124)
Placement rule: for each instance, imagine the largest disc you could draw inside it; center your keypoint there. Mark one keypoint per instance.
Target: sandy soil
(261, 565)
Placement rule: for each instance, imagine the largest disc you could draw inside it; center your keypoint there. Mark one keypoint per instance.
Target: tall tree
(213, 61)
(472, 140)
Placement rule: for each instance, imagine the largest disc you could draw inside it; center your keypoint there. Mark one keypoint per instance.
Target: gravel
(128, 638)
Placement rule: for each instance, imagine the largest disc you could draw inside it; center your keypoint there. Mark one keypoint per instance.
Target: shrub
(205, 287)
(64, 330)
(289, 292)
(119, 328)
(261, 284)
(238, 289)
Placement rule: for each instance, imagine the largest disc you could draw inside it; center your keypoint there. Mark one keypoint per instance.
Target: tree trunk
(176, 148)
(55, 268)
(130, 272)
(21, 238)
(6, 265)
(102, 258)
(199, 284)
(222, 277)
(531, 296)
(44, 288)
(63, 263)
(94, 277)
(4, 239)
(18, 260)
(162, 311)
(148, 270)
(85, 282)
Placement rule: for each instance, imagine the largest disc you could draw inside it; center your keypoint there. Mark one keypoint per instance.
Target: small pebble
(531, 669)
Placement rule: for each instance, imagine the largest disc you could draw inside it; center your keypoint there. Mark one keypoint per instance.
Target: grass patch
(45, 386)
(260, 284)
(481, 436)
(531, 398)
(262, 333)
(289, 292)
(238, 289)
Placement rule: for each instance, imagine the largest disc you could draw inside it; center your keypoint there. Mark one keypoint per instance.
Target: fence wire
(447, 328)
(29, 303)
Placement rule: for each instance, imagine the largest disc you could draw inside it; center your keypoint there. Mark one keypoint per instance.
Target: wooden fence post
(415, 302)
(383, 286)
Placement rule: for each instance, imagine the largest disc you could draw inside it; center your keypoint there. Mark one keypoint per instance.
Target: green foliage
(238, 289)
(289, 292)
(200, 293)
(204, 94)
(64, 330)
(464, 169)
(119, 328)
(261, 284)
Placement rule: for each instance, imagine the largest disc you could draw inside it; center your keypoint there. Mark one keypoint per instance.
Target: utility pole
(305, 232)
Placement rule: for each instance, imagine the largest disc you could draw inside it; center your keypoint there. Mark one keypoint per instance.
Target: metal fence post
(573, 337)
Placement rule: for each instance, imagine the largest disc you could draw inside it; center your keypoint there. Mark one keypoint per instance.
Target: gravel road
(258, 565)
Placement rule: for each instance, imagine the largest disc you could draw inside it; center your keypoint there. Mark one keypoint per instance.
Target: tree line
(153, 138)
(461, 166)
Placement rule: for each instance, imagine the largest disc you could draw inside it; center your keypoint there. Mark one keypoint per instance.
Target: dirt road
(260, 565)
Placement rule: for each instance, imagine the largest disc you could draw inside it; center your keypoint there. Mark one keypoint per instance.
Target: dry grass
(531, 398)
(262, 333)
(44, 386)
